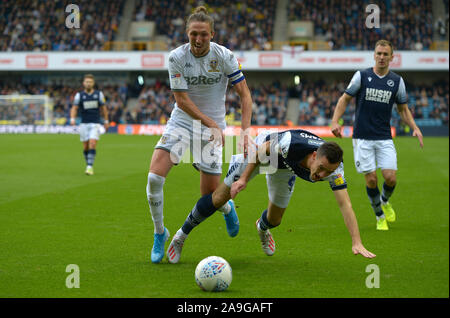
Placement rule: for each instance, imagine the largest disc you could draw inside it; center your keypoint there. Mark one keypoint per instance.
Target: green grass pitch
(52, 215)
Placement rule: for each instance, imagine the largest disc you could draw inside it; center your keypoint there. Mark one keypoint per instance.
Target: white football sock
(155, 197)
(225, 209)
(181, 234)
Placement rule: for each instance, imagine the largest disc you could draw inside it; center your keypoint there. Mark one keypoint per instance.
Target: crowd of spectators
(317, 100)
(239, 25)
(61, 98)
(408, 24)
(430, 101)
(33, 25)
(155, 103)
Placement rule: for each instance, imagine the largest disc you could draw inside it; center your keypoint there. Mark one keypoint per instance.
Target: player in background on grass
(376, 90)
(199, 73)
(291, 154)
(91, 103)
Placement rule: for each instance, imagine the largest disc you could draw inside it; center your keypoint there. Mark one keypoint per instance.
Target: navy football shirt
(375, 97)
(89, 105)
(293, 146)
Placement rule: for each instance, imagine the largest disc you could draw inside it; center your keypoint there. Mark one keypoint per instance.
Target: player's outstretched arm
(241, 183)
(407, 117)
(254, 162)
(351, 223)
(338, 112)
(246, 110)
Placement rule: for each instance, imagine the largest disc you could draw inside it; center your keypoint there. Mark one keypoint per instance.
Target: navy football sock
(201, 211)
(85, 153)
(387, 192)
(91, 157)
(374, 198)
(264, 223)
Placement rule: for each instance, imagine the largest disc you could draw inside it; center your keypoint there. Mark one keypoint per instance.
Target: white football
(213, 274)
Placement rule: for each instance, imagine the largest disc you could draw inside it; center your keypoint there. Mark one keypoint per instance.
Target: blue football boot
(158, 246)
(232, 221)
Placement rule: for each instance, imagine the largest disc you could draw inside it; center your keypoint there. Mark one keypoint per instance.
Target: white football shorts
(90, 131)
(372, 154)
(181, 134)
(280, 182)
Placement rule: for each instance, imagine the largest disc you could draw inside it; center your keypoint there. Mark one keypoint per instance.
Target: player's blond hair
(200, 14)
(385, 43)
(89, 76)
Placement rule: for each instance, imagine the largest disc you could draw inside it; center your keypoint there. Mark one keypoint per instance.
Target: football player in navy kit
(90, 102)
(376, 90)
(291, 154)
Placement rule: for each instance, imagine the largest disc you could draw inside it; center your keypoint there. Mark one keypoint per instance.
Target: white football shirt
(205, 79)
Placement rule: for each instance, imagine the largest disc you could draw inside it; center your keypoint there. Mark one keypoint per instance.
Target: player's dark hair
(385, 43)
(200, 15)
(332, 151)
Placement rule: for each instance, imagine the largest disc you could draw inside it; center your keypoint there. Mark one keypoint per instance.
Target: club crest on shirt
(164, 139)
(213, 64)
(338, 180)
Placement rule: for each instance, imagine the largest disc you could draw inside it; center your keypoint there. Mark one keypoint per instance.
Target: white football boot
(175, 247)
(267, 242)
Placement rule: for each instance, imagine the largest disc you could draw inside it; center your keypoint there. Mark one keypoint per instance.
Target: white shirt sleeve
(336, 179)
(176, 78)
(76, 99)
(355, 84)
(232, 68)
(401, 98)
(102, 98)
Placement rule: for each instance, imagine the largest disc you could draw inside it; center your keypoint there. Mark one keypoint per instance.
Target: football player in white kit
(199, 72)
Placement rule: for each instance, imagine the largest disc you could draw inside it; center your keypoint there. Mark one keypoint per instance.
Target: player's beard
(200, 50)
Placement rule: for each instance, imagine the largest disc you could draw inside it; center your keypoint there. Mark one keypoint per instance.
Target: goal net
(26, 110)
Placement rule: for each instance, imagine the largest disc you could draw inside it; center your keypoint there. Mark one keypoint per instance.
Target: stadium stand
(62, 97)
(428, 103)
(409, 24)
(32, 25)
(239, 25)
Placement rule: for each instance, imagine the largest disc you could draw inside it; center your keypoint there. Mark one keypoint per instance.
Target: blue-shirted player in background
(376, 90)
(90, 102)
(282, 157)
